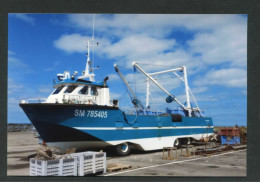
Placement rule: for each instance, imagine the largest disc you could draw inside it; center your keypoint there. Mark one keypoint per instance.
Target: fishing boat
(80, 113)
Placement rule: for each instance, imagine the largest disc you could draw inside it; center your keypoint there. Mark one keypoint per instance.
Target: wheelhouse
(79, 91)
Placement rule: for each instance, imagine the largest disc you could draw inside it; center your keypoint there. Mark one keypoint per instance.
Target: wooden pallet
(117, 167)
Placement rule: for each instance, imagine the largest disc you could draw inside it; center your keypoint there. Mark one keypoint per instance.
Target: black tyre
(123, 149)
(188, 141)
(177, 143)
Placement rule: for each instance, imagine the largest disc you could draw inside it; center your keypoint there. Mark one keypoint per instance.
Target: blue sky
(213, 47)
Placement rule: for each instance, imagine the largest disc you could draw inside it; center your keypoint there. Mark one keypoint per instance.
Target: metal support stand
(188, 154)
(170, 153)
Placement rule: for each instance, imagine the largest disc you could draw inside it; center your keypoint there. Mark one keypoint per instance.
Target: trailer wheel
(188, 141)
(123, 149)
(177, 143)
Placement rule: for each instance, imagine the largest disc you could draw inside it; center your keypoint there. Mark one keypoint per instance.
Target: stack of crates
(90, 162)
(229, 136)
(57, 167)
(80, 164)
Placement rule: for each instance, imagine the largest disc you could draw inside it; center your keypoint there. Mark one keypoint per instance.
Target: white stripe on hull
(157, 142)
(144, 143)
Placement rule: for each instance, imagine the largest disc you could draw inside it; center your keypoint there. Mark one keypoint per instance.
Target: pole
(147, 92)
(187, 90)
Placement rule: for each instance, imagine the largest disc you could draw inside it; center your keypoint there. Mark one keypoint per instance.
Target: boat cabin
(71, 90)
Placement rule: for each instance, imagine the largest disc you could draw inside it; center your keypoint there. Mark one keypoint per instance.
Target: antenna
(89, 71)
(93, 37)
(93, 26)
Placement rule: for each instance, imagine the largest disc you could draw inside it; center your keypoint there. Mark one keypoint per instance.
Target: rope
(125, 119)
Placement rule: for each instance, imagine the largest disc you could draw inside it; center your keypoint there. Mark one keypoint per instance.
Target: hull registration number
(90, 113)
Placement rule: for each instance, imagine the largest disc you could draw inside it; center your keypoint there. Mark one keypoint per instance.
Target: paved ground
(20, 145)
(231, 163)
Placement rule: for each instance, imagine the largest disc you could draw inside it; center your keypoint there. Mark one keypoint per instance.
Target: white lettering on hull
(90, 113)
(80, 113)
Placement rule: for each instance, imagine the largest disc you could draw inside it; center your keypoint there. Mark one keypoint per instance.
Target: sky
(212, 47)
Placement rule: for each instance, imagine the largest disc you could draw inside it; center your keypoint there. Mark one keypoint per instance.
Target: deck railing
(34, 100)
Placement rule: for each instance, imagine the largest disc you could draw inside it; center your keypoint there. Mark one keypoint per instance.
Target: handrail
(40, 100)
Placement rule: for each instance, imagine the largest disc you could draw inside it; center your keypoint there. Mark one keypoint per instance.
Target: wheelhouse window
(84, 90)
(58, 90)
(94, 91)
(70, 89)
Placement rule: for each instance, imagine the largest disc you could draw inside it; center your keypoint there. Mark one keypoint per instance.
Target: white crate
(57, 167)
(90, 162)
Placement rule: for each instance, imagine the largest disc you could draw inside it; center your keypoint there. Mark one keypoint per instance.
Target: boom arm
(132, 95)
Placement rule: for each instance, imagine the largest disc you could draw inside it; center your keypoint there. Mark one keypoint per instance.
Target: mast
(88, 73)
(88, 66)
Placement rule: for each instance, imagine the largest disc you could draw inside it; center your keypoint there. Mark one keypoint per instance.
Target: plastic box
(229, 132)
(225, 140)
(57, 167)
(90, 162)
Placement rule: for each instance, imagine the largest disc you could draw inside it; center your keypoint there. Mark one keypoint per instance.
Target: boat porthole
(176, 142)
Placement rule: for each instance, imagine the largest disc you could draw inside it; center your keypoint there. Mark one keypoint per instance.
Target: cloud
(53, 67)
(24, 17)
(71, 43)
(198, 90)
(244, 92)
(227, 44)
(113, 77)
(46, 89)
(167, 60)
(13, 104)
(216, 39)
(115, 95)
(14, 62)
(14, 87)
(182, 98)
(11, 53)
(206, 98)
(118, 25)
(17, 64)
(136, 46)
(159, 25)
(230, 77)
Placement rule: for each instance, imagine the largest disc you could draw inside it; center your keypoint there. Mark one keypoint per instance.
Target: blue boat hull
(99, 126)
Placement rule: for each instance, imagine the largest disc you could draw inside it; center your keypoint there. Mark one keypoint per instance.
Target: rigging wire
(155, 79)
(137, 76)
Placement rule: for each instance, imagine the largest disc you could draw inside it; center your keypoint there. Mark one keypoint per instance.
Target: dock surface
(228, 163)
